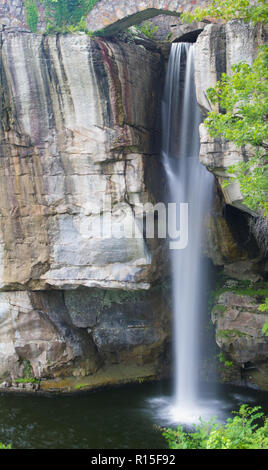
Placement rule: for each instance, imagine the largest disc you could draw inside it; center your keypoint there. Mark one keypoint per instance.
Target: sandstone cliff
(231, 237)
(78, 132)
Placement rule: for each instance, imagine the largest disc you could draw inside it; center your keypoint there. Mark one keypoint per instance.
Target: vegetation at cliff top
(148, 29)
(230, 10)
(240, 432)
(242, 100)
(242, 119)
(31, 15)
(60, 15)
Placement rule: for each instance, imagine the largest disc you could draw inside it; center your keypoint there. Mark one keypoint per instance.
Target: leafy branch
(230, 10)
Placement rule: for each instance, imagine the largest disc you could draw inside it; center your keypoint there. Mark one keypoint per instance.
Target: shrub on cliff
(3, 446)
(243, 102)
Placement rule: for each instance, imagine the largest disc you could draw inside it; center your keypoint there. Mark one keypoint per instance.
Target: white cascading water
(188, 182)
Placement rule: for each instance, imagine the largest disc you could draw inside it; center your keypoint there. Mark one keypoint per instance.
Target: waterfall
(188, 182)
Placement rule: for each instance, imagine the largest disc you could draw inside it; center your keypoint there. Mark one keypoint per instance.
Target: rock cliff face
(77, 135)
(230, 242)
(79, 121)
(217, 49)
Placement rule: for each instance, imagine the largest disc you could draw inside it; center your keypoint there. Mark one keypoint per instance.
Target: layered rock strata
(239, 324)
(217, 49)
(232, 242)
(78, 132)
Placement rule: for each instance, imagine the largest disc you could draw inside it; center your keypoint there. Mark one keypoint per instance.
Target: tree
(242, 100)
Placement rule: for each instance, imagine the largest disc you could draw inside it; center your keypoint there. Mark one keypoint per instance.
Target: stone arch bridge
(114, 16)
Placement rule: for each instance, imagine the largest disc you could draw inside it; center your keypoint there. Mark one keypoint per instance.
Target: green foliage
(230, 10)
(27, 380)
(230, 333)
(178, 439)
(80, 386)
(240, 432)
(31, 15)
(252, 177)
(27, 374)
(219, 308)
(62, 14)
(2, 446)
(80, 27)
(224, 361)
(148, 29)
(242, 100)
(265, 327)
(100, 33)
(264, 307)
(242, 119)
(169, 36)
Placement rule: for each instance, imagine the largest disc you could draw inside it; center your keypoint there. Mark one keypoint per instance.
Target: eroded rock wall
(238, 325)
(78, 132)
(217, 49)
(13, 14)
(231, 241)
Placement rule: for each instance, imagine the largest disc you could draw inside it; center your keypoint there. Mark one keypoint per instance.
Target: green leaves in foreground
(240, 432)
